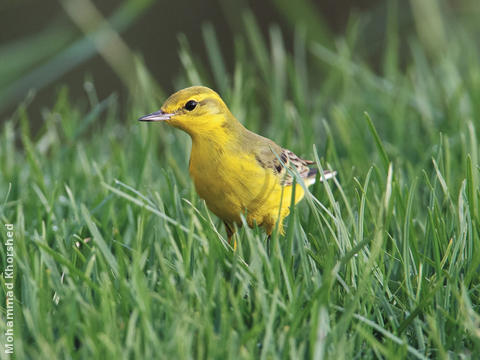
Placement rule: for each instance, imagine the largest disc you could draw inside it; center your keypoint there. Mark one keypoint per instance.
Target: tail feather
(312, 174)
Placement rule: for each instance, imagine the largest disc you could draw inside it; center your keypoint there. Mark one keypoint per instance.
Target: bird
(236, 171)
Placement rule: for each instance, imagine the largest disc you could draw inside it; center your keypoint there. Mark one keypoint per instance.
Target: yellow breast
(233, 183)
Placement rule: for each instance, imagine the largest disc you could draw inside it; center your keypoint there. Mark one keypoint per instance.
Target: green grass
(117, 257)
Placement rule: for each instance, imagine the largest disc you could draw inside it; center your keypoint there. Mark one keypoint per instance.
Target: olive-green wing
(278, 160)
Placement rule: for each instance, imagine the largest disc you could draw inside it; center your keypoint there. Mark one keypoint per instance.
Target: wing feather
(280, 162)
(277, 159)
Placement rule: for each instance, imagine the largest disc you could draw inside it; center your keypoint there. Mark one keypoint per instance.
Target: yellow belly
(235, 184)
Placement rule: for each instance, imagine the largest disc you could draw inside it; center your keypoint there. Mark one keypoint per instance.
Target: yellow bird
(235, 170)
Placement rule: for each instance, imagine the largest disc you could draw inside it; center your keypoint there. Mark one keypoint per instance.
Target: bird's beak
(156, 116)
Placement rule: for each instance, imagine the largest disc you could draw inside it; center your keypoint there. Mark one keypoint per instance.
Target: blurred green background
(43, 43)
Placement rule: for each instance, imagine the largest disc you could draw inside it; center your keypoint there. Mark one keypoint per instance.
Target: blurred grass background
(117, 257)
(49, 47)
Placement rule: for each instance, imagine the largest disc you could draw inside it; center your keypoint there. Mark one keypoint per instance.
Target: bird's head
(195, 109)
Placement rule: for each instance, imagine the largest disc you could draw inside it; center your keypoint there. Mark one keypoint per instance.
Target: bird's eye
(190, 105)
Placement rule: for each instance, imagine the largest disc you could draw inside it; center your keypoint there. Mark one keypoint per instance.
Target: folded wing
(280, 161)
